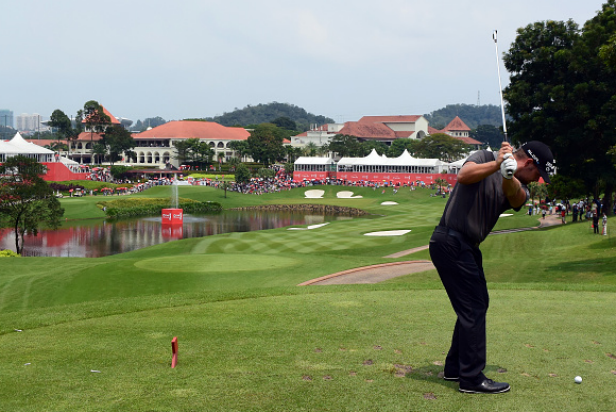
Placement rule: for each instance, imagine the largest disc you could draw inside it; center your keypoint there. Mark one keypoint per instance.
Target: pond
(96, 238)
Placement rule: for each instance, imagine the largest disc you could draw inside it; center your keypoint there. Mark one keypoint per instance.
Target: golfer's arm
(514, 192)
(475, 172)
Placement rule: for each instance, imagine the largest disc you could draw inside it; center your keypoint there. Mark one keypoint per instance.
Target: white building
(30, 123)
(384, 129)
(155, 147)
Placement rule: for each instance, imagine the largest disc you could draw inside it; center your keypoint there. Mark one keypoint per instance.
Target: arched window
(221, 145)
(156, 157)
(166, 157)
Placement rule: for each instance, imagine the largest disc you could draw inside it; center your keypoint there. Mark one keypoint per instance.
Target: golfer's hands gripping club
(509, 166)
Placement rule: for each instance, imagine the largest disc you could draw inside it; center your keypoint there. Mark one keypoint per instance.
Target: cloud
(191, 58)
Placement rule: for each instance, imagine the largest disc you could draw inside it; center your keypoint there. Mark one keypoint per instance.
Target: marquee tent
(405, 160)
(18, 146)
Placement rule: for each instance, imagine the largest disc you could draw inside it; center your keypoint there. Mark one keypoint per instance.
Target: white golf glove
(509, 166)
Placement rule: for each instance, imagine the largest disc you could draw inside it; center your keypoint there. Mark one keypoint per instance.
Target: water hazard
(97, 238)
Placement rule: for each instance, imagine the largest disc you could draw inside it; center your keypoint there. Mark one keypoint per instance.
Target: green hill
(267, 113)
(470, 114)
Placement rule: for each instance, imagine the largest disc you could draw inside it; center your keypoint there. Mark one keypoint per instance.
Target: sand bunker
(314, 194)
(309, 227)
(388, 203)
(347, 195)
(388, 233)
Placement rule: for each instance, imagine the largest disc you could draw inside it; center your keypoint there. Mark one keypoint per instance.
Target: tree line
(472, 115)
(115, 141)
(563, 93)
(268, 113)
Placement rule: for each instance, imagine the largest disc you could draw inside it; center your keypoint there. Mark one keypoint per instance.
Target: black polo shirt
(474, 209)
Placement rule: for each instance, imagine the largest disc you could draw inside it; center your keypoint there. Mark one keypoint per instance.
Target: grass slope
(251, 340)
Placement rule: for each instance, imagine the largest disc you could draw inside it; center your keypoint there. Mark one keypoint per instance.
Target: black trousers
(459, 265)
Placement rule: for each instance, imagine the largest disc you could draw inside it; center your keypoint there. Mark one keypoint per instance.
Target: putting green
(215, 263)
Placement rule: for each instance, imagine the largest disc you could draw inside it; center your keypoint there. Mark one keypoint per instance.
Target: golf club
(500, 91)
(500, 88)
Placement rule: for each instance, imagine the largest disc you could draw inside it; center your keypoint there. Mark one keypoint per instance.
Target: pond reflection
(96, 238)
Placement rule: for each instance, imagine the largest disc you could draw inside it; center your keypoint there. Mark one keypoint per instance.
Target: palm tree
(224, 185)
(323, 150)
(99, 150)
(440, 182)
(289, 168)
(311, 149)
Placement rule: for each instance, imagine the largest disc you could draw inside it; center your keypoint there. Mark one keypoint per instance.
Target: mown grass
(251, 340)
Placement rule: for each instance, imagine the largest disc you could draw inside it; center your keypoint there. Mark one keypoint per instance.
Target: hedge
(134, 207)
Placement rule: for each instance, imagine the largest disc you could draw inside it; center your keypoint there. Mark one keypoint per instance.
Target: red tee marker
(174, 350)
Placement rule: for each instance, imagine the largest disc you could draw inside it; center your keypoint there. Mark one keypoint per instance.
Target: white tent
(456, 166)
(404, 160)
(304, 160)
(7, 150)
(68, 161)
(314, 164)
(18, 146)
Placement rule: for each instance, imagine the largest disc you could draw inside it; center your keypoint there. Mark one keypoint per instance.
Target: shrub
(134, 207)
(8, 253)
(59, 187)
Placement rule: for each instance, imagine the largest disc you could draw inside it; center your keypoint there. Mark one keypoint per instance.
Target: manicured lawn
(251, 340)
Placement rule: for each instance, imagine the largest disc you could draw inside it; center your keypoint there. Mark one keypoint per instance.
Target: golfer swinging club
(488, 184)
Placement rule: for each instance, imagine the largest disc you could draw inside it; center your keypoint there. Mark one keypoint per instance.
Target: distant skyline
(202, 58)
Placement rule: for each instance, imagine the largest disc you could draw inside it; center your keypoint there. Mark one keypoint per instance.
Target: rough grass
(250, 339)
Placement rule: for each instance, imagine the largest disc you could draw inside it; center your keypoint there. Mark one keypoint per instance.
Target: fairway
(95, 334)
(213, 263)
(351, 350)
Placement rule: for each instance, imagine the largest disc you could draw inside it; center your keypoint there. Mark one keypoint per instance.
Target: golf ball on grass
(578, 379)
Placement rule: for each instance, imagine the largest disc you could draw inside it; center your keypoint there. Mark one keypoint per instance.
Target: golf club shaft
(500, 87)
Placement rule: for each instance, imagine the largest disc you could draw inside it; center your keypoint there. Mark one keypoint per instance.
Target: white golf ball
(578, 379)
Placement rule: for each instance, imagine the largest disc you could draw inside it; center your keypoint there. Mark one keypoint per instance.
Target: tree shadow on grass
(604, 267)
(604, 242)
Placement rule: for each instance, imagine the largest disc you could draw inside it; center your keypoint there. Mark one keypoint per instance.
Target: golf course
(94, 334)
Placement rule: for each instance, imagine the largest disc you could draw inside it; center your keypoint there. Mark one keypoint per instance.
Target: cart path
(372, 274)
(385, 271)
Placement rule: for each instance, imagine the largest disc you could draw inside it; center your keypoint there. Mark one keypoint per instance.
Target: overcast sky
(201, 58)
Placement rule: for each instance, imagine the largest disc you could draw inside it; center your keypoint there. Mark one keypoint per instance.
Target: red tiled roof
(468, 140)
(457, 125)
(404, 134)
(112, 117)
(367, 130)
(44, 142)
(85, 136)
(432, 130)
(190, 129)
(389, 119)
